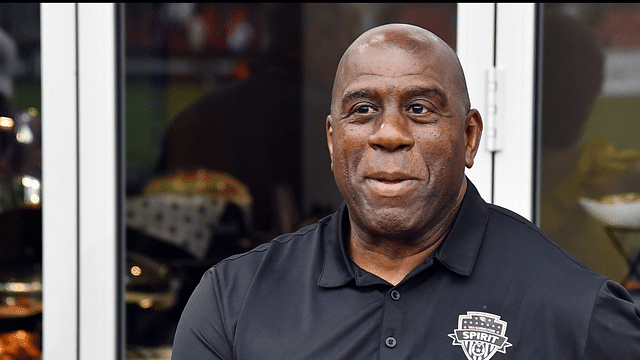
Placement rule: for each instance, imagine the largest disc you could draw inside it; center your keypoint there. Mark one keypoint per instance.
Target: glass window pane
(226, 146)
(590, 138)
(20, 175)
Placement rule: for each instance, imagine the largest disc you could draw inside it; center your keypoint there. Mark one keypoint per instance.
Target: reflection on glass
(590, 147)
(226, 146)
(20, 174)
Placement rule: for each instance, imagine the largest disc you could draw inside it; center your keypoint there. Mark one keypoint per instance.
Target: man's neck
(392, 257)
(391, 263)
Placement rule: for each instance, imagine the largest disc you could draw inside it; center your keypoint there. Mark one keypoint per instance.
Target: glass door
(226, 146)
(20, 182)
(589, 135)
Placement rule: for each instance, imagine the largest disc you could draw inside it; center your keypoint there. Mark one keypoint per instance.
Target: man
(415, 265)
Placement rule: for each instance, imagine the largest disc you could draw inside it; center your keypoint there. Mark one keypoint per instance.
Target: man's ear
(472, 135)
(330, 139)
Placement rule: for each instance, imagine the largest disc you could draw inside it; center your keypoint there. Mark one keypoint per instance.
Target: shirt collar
(460, 248)
(457, 252)
(337, 269)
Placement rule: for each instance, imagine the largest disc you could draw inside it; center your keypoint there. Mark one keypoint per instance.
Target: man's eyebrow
(430, 92)
(357, 94)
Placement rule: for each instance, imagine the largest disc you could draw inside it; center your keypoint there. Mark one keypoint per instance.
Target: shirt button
(395, 295)
(390, 342)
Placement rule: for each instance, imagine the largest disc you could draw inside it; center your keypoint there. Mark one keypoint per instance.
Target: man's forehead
(375, 65)
(390, 60)
(400, 35)
(396, 51)
(400, 48)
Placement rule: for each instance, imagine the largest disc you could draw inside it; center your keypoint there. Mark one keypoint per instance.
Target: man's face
(399, 140)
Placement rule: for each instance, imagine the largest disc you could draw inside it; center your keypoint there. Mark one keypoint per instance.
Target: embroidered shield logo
(480, 335)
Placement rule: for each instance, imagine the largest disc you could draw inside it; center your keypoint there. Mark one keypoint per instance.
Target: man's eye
(418, 109)
(364, 109)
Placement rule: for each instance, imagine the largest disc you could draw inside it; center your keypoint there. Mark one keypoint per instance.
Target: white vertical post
(98, 182)
(475, 45)
(59, 179)
(515, 54)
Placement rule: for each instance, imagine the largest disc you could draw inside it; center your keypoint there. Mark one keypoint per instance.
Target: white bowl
(625, 214)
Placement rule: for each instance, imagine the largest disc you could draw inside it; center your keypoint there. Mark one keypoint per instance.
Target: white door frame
(81, 193)
(504, 169)
(513, 180)
(59, 181)
(475, 48)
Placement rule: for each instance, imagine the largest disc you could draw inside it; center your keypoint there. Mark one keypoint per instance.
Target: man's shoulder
(282, 251)
(526, 247)
(516, 256)
(511, 228)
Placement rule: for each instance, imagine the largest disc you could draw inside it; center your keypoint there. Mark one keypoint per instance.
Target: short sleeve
(201, 333)
(614, 330)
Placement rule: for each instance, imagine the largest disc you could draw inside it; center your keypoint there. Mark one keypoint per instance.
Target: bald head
(401, 134)
(398, 40)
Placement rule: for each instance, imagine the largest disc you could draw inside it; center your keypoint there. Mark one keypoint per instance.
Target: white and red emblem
(480, 335)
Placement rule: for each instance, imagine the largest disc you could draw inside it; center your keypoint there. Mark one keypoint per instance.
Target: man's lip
(390, 184)
(390, 177)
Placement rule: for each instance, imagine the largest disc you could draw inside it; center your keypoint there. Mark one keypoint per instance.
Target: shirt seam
(222, 316)
(586, 335)
(282, 239)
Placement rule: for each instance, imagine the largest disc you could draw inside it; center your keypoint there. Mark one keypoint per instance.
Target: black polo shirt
(495, 288)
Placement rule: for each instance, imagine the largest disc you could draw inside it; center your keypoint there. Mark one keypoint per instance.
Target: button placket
(391, 323)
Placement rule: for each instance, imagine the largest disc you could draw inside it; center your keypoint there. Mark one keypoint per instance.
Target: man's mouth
(390, 184)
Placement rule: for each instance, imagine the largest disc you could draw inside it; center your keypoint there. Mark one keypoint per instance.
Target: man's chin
(392, 221)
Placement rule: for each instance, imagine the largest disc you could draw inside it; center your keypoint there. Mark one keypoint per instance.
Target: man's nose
(392, 132)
